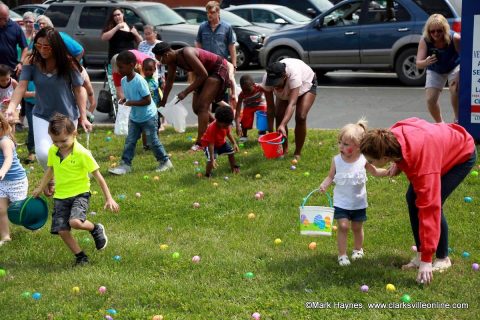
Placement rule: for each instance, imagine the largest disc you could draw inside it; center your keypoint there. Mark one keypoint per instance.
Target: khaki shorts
(439, 80)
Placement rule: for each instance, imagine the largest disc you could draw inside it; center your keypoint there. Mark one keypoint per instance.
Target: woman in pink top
(435, 158)
(295, 86)
(211, 79)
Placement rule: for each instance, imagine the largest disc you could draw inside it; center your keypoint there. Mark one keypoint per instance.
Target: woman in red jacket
(435, 158)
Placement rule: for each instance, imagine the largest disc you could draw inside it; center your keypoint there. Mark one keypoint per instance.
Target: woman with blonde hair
(438, 51)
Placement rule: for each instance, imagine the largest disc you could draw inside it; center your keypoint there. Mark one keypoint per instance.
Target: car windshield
(14, 15)
(159, 15)
(233, 19)
(294, 15)
(323, 5)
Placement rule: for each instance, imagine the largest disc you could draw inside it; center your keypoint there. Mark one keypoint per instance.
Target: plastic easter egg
(334, 228)
(26, 294)
(251, 216)
(261, 193)
(75, 290)
(122, 197)
(199, 175)
(102, 289)
(108, 139)
(163, 247)
(196, 259)
(306, 174)
(474, 173)
(468, 199)
(215, 184)
(475, 266)
(258, 196)
(117, 258)
(390, 287)
(226, 178)
(294, 162)
(241, 145)
(197, 169)
(196, 205)
(3, 273)
(277, 241)
(36, 296)
(245, 152)
(195, 163)
(175, 255)
(138, 194)
(93, 213)
(465, 254)
(156, 178)
(145, 177)
(157, 317)
(107, 317)
(112, 311)
(109, 132)
(111, 158)
(256, 316)
(364, 288)
(258, 176)
(292, 167)
(406, 298)
(249, 275)
(414, 248)
(312, 245)
(169, 229)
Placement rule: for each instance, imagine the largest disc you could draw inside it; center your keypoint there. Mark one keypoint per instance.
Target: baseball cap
(275, 73)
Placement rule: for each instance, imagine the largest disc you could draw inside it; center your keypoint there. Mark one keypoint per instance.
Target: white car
(269, 15)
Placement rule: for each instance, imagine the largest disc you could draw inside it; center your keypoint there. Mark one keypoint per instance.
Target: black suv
(85, 20)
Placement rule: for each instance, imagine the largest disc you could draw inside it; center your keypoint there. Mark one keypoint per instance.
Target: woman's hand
(431, 60)
(281, 129)
(181, 95)
(425, 275)
(86, 125)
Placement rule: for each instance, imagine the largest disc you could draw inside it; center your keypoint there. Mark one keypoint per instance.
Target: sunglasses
(436, 31)
(41, 46)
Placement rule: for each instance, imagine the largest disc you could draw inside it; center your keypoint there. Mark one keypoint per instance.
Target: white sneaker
(343, 261)
(120, 170)
(440, 265)
(357, 254)
(243, 139)
(167, 165)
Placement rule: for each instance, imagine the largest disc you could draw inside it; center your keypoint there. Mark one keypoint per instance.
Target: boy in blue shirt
(143, 116)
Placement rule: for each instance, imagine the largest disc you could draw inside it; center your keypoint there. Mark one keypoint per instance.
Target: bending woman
(295, 86)
(438, 51)
(435, 158)
(211, 74)
(50, 66)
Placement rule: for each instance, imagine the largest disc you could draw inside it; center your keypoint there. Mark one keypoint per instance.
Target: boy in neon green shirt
(71, 163)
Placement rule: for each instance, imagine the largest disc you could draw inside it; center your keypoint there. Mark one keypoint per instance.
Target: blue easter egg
(117, 258)
(112, 311)
(465, 254)
(468, 199)
(36, 295)
(108, 139)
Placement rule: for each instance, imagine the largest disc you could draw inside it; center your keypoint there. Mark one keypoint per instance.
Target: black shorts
(67, 209)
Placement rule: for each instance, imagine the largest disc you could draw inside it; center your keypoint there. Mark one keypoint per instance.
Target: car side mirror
(318, 23)
(280, 21)
(138, 26)
(311, 12)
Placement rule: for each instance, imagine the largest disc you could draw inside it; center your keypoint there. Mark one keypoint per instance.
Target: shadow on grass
(321, 271)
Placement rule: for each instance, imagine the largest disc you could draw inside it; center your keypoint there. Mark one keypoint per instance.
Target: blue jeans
(30, 140)
(150, 127)
(449, 182)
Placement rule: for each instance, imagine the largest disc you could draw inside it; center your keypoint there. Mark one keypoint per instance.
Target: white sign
(475, 93)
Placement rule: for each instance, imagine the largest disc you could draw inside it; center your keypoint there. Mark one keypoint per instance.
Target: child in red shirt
(215, 143)
(253, 99)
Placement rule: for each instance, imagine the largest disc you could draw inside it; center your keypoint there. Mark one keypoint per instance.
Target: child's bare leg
(79, 225)
(70, 241)
(233, 164)
(4, 227)
(208, 170)
(144, 140)
(357, 229)
(244, 132)
(342, 234)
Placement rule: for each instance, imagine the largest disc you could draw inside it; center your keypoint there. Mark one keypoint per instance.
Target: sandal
(413, 264)
(441, 265)
(357, 254)
(343, 261)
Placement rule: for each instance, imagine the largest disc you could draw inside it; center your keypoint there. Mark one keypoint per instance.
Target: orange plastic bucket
(271, 144)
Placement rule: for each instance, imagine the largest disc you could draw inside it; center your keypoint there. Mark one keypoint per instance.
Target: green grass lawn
(148, 281)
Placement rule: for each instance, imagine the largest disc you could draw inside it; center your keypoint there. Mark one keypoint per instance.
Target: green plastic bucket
(32, 213)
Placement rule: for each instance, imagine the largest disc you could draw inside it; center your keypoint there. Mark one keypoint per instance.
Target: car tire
(406, 68)
(282, 54)
(181, 74)
(243, 57)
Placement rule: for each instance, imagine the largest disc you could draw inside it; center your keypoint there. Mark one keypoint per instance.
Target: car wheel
(282, 54)
(407, 70)
(181, 74)
(243, 57)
